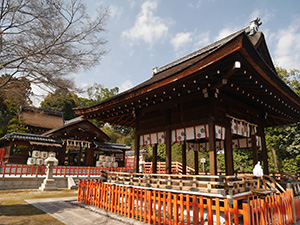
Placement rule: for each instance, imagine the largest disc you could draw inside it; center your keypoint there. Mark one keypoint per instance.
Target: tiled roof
(111, 146)
(29, 137)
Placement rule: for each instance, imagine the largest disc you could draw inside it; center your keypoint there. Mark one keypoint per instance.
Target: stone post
(49, 183)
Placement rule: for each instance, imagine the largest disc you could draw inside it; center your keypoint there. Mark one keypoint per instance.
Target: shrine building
(221, 96)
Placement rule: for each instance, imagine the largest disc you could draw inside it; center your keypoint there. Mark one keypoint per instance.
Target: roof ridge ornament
(254, 24)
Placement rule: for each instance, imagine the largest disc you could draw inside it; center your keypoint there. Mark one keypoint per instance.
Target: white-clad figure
(258, 172)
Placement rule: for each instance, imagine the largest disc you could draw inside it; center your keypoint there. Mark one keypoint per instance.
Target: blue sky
(143, 34)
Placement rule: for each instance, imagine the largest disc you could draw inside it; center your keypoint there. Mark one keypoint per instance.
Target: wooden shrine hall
(221, 96)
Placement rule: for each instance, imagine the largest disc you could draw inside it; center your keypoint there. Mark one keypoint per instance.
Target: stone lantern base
(48, 185)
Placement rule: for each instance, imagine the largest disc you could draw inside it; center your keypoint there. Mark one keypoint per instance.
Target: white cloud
(180, 40)
(225, 32)
(126, 85)
(114, 11)
(195, 4)
(287, 52)
(202, 40)
(265, 15)
(147, 27)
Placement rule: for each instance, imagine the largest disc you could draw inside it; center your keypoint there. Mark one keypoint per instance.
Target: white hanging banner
(173, 135)
(180, 135)
(258, 141)
(201, 132)
(240, 127)
(147, 139)
(161, 137)
(233, 127)
(220, 132)
(153, 138)
(190, 133)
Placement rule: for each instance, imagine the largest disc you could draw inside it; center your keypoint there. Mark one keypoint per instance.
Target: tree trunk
(275, 159)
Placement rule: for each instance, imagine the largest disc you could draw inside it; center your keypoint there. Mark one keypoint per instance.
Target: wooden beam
(196, 162)
(136, 153)
(212, 147)
(90, 156)
(168, 152)
(226, 77)
(264, 153)
(62, 155)
(229, 166)
(183, 147)
(79, 156)
(254, 148)
(154, 159)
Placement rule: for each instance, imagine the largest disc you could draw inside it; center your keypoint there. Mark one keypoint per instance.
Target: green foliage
(98, 93)
(290, 77)
(285, 140)
(242, 161)
(118, 135)
(16, 93)
(61, 100)
(16, 125)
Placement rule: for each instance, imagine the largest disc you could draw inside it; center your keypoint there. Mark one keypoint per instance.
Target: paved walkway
(70, 212)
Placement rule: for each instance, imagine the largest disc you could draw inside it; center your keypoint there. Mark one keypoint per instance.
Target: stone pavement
(70, 212)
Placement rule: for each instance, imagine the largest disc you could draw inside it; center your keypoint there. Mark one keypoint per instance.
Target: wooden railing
(196, 183)
(25, 170)
(223, 185)
(161, 168)
(167, 207)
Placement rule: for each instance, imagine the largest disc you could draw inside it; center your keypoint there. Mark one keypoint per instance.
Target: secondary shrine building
(219, 97)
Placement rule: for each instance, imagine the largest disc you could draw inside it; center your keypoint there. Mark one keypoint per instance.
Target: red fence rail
(25, 170)
(162, 207)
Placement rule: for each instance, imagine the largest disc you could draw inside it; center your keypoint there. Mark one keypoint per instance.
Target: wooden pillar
(229, 166)
(154, 159)
(122, 164)
(90, 156)
(212, 147)
(196, 161)
(62, 155)
(168, 152)
(136, 153)
(183, 158)
(264, 153)
(79, 156)
(254, 148)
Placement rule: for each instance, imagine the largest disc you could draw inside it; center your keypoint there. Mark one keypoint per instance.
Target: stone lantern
(49, 183)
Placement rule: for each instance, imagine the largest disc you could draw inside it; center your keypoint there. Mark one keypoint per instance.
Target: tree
(284, 141)
(44, 41)
(61, 100)
(15, 94)
(98, 93)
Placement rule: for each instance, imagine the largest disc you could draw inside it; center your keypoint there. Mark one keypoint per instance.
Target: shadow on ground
(19, 210)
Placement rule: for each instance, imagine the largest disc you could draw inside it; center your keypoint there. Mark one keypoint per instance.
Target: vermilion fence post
(16, 170)
(246, 213)
(89, 171)
(10, 168)
(290, 191)
(21, 172)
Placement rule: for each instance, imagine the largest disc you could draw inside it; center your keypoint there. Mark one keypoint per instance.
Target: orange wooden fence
(26, 170)
(297, 207)
(166, 207)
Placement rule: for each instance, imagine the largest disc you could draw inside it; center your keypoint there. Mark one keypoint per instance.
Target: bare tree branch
(45, 41)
